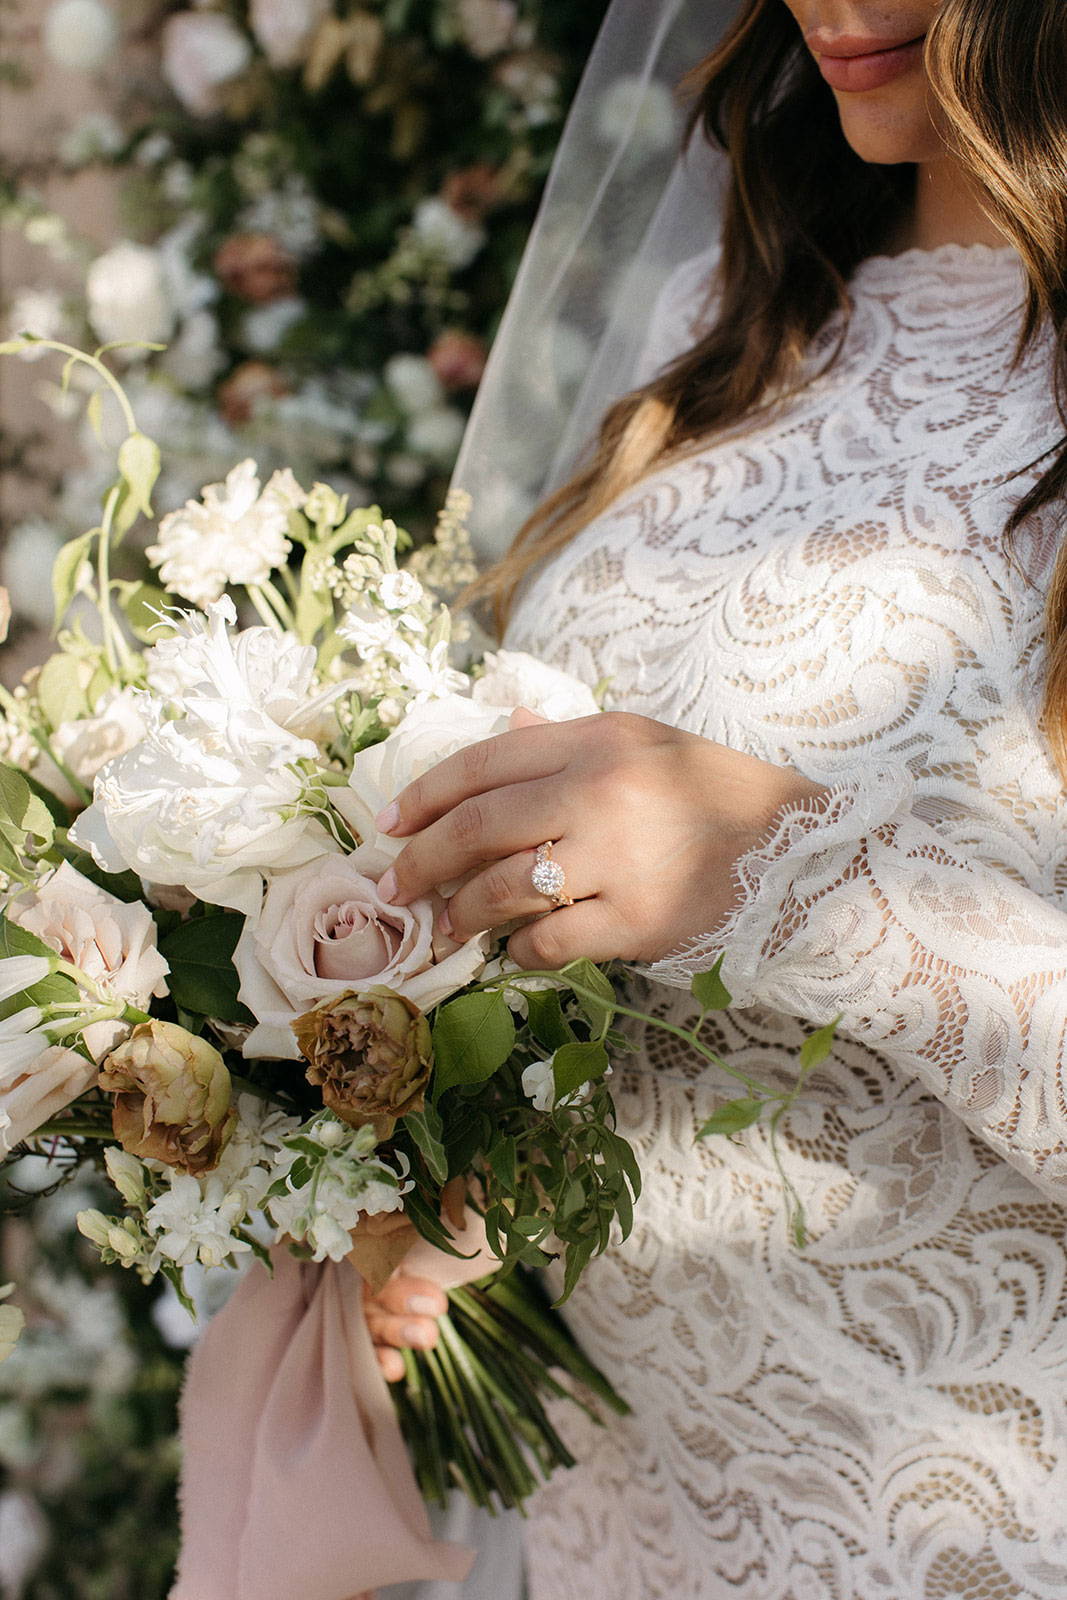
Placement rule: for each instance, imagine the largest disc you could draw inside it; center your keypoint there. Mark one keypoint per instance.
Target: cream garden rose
(513, 678)
(323, 931)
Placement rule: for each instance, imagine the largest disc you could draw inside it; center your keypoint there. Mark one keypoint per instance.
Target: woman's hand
(646, 821)
(403, 1316)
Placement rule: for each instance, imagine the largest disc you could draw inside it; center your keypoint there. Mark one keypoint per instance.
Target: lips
(854, 65)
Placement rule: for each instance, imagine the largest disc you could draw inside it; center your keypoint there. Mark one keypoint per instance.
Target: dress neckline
(943, 263)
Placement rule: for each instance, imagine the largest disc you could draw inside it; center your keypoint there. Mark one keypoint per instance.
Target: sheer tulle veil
(624, 205)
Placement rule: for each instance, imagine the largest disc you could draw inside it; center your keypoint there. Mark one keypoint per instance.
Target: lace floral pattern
(882, 1416)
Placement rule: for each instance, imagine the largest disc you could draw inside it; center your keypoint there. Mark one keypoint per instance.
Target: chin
(887, 130)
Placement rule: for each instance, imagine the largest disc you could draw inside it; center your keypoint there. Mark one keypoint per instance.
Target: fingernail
(387, 820)
(418, 1333)
(444, 923)
(387, 885)
(424, 1305)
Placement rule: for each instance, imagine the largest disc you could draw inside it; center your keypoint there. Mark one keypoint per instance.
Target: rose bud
(249, 384)
(172, 1097)
(257, 267)
(458, 359)
(371, 1054)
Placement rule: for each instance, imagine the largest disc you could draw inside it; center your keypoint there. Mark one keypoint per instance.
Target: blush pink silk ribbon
(296, 1484)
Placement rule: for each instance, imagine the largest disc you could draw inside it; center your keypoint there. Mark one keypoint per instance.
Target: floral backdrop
(323, 206)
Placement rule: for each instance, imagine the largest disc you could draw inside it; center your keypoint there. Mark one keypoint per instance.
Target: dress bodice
(881, 1416)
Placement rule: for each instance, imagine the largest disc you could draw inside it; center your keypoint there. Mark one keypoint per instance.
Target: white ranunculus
(413, 383)
(234, 534)
(437, 434)
(513, 678)
(110, 940)
(127, 297)
(445, 233)
(324, 931)
(195, 358)
(116, 726)
(80, 34)
(202, 52)
(430, 732)
(210, 798)
(284, 28)
(642, 112)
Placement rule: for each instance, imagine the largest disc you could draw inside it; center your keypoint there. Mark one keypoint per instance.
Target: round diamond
(548, 877)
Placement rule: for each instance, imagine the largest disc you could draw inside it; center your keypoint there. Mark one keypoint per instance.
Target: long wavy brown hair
(802, 211)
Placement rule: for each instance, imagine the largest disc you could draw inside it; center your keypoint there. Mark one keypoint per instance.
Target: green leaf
(731, 1118)
(203, 977)
(57, 809)
(61, 690)
(817, 1046)
(65, 569)
(55, 989)
(576, 1064)
(94, 415)
(709, 991)
(22, 812)
(141, 604)
(546, 1019)
(472, 1038)
(597, 1008)
(139, 464)
(426, 1129)
(502, 1159)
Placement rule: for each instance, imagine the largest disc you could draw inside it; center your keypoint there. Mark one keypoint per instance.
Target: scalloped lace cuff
(830, 828)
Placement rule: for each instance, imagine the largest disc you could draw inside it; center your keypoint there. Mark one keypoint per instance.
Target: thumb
(523, 717)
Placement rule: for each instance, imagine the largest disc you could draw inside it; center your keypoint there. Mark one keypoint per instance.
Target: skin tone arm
(648, 821)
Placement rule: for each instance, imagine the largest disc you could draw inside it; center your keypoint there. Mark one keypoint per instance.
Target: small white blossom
(539, 1085)
(437, 434)
(399, 590)
(234, 534)
(127, 296)
(196, 1221)
(444, 233)
(38, 311)
(413, 383)
(202, 53)
(80, 34)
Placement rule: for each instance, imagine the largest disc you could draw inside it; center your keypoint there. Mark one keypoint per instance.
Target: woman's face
(871, 54)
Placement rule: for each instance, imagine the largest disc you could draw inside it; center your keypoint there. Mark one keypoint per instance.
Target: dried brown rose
(247, 385)
(256, 266)
(172, 1097)
(371, 1054)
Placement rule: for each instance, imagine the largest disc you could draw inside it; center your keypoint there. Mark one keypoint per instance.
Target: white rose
(324, 931)
(90, 744)
(233, 534)
(413, 383)
(430, 732)
(202, 52)
(112, 941)
(127, 296)
(283, 28)
(513, 678)
(437, 434)
(444, 232)
(80, 34)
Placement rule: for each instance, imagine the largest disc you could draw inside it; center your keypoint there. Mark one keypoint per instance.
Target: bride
(816, 555)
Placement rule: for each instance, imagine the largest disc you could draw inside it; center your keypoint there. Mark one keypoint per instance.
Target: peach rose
(257, 267)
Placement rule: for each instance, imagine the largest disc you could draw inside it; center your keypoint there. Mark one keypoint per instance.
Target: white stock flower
(195, 358)
(513, 678)
(89, 744)
(203, 51)
(264, 327)
(195, 1221)
(413, 383)
(539, 1085)
(346, 1185)
(284, 28)
(210, 799)
(430, 732)
(399, 590)
(21, 972)
(324, 931)
(367, 631)
(80, 34)
(127, 296)
(112, 941)
(428, 675)
(438, 434)
(640, 112)
(233, 534)
(443, 232)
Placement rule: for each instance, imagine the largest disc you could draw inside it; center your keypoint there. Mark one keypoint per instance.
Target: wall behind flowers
(318, 206)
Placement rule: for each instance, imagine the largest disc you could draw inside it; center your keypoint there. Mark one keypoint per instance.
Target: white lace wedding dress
(883, 1415)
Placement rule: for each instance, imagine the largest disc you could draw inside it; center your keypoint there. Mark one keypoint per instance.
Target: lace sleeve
(951, 968)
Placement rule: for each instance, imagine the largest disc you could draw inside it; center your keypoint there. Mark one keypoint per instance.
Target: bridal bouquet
(202, 990)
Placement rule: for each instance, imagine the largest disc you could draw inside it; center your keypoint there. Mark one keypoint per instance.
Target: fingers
(532, 751)
(586, 929)
(484, 827)
(505, 892)
(403, 1316)
(391, 1363)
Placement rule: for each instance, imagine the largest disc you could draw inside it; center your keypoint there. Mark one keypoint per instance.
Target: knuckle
(545, 943)
(497, 889)
(475, 760)
(468, 823)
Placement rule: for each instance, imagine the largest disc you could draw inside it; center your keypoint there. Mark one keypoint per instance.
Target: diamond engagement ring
(548, 877)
